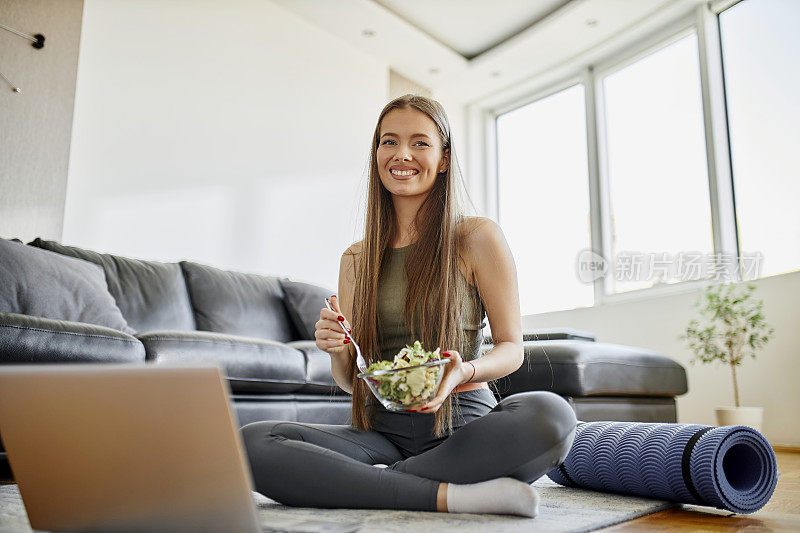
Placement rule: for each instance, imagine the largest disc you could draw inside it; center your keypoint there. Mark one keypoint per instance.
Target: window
(657, 170)
(651, 178)
(760, 43)
(543, 199)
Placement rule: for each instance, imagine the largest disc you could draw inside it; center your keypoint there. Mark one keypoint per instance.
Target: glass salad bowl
(411, 387)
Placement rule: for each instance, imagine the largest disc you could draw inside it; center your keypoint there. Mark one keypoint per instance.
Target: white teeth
(403, 172)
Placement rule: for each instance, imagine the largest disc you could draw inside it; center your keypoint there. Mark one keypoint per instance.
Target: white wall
(231, 133)
(770, 381)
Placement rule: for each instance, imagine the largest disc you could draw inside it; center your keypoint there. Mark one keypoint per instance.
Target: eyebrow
(396, 135)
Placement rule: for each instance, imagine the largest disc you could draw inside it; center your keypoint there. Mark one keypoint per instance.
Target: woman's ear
(444, 164)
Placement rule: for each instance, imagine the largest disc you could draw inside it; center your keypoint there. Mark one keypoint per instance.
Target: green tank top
(394, 333)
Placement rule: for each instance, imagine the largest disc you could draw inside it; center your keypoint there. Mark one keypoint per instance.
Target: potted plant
(733, 328)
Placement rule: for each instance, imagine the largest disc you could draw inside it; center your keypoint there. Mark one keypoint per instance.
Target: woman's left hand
(455, 373)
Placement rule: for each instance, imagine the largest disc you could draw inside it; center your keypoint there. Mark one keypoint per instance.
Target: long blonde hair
(435, 287)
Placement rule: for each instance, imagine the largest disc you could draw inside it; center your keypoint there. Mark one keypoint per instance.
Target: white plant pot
(740, 416)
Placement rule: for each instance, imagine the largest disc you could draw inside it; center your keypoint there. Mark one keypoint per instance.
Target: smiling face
(409, 153)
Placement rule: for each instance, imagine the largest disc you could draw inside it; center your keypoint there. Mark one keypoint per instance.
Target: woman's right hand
(328, 333)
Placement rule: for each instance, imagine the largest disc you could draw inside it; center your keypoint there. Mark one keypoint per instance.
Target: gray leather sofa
(66, 304)
(260, 329)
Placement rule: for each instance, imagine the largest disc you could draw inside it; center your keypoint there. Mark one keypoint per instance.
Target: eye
(423, 143)
(387, 141)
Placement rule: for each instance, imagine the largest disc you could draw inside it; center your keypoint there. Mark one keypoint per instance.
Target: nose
(401, 155)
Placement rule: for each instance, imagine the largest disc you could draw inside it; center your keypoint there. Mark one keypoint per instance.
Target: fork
(360, 362)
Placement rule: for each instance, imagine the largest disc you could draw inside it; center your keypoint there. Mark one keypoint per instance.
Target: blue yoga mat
(729, 467)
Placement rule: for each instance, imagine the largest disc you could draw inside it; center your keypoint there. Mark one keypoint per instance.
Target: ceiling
(470, 49)
(469, 27)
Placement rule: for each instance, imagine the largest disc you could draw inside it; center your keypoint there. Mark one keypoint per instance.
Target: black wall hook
(37, 40)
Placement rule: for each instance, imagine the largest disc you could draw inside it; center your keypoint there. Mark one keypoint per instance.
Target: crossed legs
(330, 466)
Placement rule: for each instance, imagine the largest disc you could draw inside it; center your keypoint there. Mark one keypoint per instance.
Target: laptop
(111, 447)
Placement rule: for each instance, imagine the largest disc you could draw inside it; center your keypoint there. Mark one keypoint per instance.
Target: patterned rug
(560, 509)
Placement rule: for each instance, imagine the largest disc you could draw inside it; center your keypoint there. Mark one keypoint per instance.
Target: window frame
(702, 21)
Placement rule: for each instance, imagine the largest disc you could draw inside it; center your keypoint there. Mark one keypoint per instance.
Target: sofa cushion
(579, 368)
(318, 369)
(30, 339)
(236, 303)
(303, 302)
(48, 285)
(151, 295)
(251, 365)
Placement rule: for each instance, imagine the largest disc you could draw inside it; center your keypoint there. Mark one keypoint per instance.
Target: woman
(423, 271)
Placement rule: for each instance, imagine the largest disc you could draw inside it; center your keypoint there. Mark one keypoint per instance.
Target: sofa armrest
(551, 334)
(30, 339)
(579, 368)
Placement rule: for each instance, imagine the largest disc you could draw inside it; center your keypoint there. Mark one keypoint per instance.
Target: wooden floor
(782, 513)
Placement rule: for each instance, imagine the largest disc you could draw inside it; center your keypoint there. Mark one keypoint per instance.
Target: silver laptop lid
(125, 448)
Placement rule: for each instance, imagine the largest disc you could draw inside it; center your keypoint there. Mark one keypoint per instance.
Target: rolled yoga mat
(729, 467)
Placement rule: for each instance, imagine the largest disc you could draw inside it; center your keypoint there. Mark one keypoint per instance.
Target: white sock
(503, 495)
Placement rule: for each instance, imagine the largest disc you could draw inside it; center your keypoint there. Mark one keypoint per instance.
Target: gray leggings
(330, 466)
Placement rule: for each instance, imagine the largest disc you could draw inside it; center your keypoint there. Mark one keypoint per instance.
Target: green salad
(413, 385)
